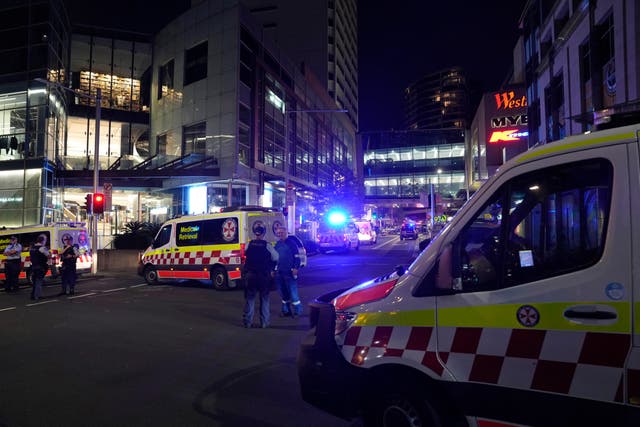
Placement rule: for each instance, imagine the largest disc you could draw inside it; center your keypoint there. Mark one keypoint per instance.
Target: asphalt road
(122, 353)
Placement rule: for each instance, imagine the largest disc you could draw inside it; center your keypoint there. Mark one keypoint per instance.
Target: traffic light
(88, 204)
(374, 215)
(98, 203)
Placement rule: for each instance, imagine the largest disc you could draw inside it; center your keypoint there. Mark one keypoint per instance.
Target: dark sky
(398, 44)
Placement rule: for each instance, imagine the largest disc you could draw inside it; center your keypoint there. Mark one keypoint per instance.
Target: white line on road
(83, 295)
(393, 239)
(137, 286)
(42, 302)
(7, 309)
(114, 290)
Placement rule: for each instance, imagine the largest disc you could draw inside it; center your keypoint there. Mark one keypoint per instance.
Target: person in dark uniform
(39, 257)
(12, 264)
(260, 260)
(69, 257)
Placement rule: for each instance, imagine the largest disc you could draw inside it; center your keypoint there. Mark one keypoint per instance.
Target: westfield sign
(508, 101)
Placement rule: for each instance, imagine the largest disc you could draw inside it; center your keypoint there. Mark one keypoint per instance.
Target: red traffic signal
(98, 203)
(88, 204)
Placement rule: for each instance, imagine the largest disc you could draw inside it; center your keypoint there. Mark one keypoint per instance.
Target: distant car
(366, 233)
(408, 231)
(302, 252)
(338, 238)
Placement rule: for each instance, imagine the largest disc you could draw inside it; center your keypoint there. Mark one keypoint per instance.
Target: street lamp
(96, 163)
(291, 208)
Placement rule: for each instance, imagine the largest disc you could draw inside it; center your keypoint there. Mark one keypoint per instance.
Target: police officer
(287, 274)
(12, 265)
(69, 257)
(259, 263)
(39, 256)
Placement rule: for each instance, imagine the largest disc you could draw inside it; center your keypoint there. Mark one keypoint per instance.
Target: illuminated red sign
(508, 100)
(507, 135)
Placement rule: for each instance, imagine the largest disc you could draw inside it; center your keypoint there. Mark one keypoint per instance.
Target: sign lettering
(508, 101)
(507, 135)
(509, 121)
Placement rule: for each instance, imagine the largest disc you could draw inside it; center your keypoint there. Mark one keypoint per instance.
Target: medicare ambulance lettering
(507, 101)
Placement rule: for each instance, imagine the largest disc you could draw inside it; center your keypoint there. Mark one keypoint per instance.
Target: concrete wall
(118, 260)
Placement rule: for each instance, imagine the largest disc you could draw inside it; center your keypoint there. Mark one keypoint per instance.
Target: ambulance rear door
(539, 312)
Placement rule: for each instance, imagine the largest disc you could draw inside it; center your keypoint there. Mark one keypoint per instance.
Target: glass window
(195, 138)
(542, 224)
(165, 79)
(163, 237)
(195, 63)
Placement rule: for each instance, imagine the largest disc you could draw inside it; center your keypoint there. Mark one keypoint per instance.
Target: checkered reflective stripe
(566, 362)
(195, 258)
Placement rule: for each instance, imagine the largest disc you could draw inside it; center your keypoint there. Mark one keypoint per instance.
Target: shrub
(137, 235)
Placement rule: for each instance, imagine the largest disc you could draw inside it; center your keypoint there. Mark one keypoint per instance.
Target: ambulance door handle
(167, 250)
(591, 312)
(175, 249)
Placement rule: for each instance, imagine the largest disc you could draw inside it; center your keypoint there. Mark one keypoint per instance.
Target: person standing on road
(287, 274)
(259, 263)
(39, 256)
(69, 257)
(12, 262)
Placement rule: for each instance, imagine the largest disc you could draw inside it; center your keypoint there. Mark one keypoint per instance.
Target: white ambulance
(54, 232)
(524, 310)
(208, 247)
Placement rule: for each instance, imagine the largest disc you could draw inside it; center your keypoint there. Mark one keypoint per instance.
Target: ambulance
(523, 311)
(54, 232)
(208, 247)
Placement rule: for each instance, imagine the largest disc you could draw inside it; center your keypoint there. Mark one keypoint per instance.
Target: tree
(137, 235)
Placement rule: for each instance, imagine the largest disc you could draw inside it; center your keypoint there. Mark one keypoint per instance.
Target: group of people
(264, 263)
(39, 257)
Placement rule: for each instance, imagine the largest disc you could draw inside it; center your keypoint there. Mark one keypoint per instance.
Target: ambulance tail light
(243, 257)
(370, 291)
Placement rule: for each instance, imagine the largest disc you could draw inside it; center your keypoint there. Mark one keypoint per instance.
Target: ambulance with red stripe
(523, 310)
(54, 232)
(208, 247)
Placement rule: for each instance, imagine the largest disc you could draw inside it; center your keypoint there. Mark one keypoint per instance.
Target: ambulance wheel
(151, 275)
(401, 410)
(219, 278)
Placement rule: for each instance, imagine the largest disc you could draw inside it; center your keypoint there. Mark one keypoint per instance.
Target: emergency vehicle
(523, 310)
(54, 232)
(207, 247)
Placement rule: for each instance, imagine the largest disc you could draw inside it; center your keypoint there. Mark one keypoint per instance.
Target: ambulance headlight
(344, 319)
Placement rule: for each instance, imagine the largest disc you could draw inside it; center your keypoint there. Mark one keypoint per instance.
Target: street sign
(107, 190)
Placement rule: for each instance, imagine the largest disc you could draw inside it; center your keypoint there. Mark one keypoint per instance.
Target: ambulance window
(189, 233)
(163, 237)
(557, 220)
(220, 231)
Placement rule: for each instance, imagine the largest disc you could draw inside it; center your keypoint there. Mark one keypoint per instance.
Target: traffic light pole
(96, 180)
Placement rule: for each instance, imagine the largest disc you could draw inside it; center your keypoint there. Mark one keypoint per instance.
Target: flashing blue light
(337, 218)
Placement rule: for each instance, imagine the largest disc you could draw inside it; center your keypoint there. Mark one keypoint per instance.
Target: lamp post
(288, 188)
(96, 163)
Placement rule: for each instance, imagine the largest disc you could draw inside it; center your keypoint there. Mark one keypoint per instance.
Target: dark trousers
(69, 277)
(37, 275)
(11, 271)
(257, 283)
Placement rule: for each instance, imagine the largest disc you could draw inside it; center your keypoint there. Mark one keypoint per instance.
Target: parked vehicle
(207, 247)
(338, 238)
(523, 310)
(408, 231)
(366, 233)
(54, 232)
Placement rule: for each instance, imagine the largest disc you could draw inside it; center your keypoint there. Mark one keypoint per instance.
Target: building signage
(506, 124)
(509, 100)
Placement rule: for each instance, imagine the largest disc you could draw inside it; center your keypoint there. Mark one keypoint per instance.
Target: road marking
(114, 290)
(137, 286)
(42, 302)
(7, 309)
(82, 296)
(393, 239)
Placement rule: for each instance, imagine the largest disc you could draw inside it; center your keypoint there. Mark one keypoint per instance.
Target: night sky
(399, 42)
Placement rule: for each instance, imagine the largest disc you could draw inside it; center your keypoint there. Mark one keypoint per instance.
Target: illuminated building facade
(582, 66)
(438, 100)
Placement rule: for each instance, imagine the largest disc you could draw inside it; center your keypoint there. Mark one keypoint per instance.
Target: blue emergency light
(337, 217)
